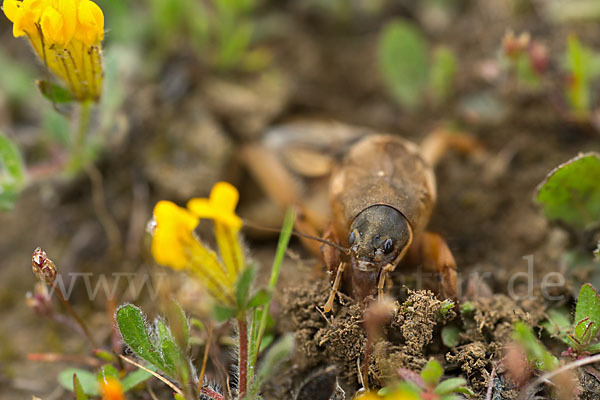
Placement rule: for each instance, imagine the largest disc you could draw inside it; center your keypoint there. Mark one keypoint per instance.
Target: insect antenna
(298, 234)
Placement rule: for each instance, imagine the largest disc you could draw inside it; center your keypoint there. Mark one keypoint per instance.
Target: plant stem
(284, 239)
(205, 358)
(76, 317)
(78, 155)
(243, 358)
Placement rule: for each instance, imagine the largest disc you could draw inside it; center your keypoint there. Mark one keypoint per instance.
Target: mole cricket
(381, 191)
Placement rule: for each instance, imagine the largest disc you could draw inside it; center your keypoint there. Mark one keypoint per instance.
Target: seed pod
(43, 267)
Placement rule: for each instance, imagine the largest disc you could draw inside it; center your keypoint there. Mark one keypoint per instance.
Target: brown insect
(381, 193)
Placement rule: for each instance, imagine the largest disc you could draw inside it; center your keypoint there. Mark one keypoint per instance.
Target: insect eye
(388, 245)
(352, 238)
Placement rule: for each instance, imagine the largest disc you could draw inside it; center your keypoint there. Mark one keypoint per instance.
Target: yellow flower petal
(25, 15)
(111, 389)
(224, 196)
(172, 235)
(90, 28)
(11, 9)
(59, 21)
(220, 206)
(209, 270)
(230, 250)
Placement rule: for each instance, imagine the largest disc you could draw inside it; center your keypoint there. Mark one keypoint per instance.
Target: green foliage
(451, 336)
(157, 344)
(78, 389)
(580, 334)
(221, 30)
(12, 173)
(571, 194)
(578, 88)
(134, 378)
(276, 354)
(445, 308)
(16, 79)
(261, 317)
(53, 92)
(87, 380)
(243, 285)
(404, 62)
(426, 385)
(154, 344)
(179, 324)
(443, 71)
(432, 373)
(535, 350)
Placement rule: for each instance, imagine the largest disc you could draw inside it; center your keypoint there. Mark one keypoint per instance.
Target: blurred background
(188, 82)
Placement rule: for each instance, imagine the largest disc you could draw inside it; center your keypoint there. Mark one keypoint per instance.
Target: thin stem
(76, 317)
(78, 155)
(205, 358)
(367, 359)
(206, 391)
(243, 358)
(284, 239)
(549, 375)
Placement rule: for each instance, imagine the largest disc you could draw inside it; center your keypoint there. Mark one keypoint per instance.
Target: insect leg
(437, 143)
(336, 285)
(436, 257)
(383, 275)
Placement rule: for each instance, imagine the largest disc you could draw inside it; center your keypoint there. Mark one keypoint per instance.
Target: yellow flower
(66, 35)
(173, 235)
(111, 389)
(58, 22)
(220, 206)
(174, 243)
(90, 29)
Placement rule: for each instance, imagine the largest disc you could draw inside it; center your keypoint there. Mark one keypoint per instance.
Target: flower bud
(43, 267)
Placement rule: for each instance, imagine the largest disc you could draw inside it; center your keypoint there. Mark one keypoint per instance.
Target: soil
(321, 69)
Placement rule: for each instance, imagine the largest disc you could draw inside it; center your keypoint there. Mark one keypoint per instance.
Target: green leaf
(535, 350)
(108, 371)
(451, 335)
(56, 126)
(443, 71)
(404, 62)
(467, 307)
(12, 173)
(275, 355)
(260, 298)
(134, 330)
(450, 386)
(432, 372)
(578, 89)
(593, 348)
(169, 350)
(223, 313)
(445, 308)
(135, 378)
(179, 324)
(11, 162)
(78, 389)
(571, 194)
(53, 92)
(87, 380)
(559, 324)
(588, 312)
(243, 285)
